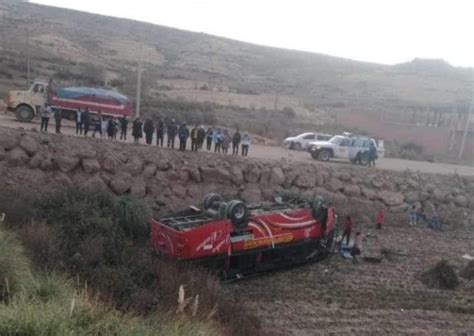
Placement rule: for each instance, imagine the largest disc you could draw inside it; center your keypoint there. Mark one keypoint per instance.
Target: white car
(352, 148)
(302, 141)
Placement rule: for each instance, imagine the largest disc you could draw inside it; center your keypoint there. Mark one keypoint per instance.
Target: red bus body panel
(265, 231)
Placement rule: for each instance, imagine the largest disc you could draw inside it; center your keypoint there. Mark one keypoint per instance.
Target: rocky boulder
(47, 164)
(8, 142)
(2, 154)
(265, 176)
(29, 144)
(368, 193)
(138, 188)
(164, 165)
(251, 194)
(120, 183)
(149, 171)
(66, 163)
(210, 174)
(94, 183)
(461, 201)
(194, 173)
(412, 197)
(110, 164)
(439, 195)
(277, 177)
(134, 166)
(252, 175)
(305, 180)
(91, 166)
(179, 190)
(16, 157)
(391, 198)
(352, 190)
(237, 175)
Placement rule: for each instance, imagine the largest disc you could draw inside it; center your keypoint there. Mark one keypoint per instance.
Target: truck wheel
(297, 146)
(364, 159)
(324, 155)
(211, 199)
(238, 213)
(24, 113)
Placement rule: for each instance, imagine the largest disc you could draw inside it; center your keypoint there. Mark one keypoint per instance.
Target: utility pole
(466, 131)
(28, 57)
(139, 87)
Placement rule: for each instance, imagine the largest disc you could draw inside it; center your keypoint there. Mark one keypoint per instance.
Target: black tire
(211, 200)
(24, 113)
(297, 146)
(364, 159)
(238, 213)
(324, 155)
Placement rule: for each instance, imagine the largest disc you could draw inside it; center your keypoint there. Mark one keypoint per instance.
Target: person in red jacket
(347, 229)
(380, 219)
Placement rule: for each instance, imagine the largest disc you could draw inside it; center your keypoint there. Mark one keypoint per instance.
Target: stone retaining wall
(169, 180)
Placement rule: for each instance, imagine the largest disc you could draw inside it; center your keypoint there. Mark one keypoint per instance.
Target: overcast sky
(381, 31)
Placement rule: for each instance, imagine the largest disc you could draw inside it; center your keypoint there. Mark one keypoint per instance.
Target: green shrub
(441, 276)
(468, 271)
(133, 216)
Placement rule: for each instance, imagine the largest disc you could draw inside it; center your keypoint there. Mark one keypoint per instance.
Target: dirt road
(278, 153)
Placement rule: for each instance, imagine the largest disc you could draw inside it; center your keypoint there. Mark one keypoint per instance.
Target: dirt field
(338, 297)
(278, 153)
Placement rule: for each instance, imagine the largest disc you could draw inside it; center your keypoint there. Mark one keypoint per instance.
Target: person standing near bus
(245, 144)
(79, 122)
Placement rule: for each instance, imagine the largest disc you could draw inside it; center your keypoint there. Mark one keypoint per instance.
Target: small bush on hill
(441, 276)
(468, 271)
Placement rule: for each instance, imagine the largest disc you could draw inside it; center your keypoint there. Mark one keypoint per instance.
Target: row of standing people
(221, 139)
(98, 124)
(85, 123)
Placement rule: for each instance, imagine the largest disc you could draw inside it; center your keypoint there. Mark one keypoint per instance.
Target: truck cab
(26, 104)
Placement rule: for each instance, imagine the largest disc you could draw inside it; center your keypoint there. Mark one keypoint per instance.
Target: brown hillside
(244, 81)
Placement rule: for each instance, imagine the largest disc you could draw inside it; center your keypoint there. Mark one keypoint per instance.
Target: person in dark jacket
(209, 137)
(123, 127)
(201, 136)
(218, 136)
(137, 132)
(236, 138)
(86, 120)
(183, 134)
(372, 154)
(98, 125)
(149, 129)
(194, 139)
(111, 129)
(160, 132)
(58, 116)
(172, 132)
